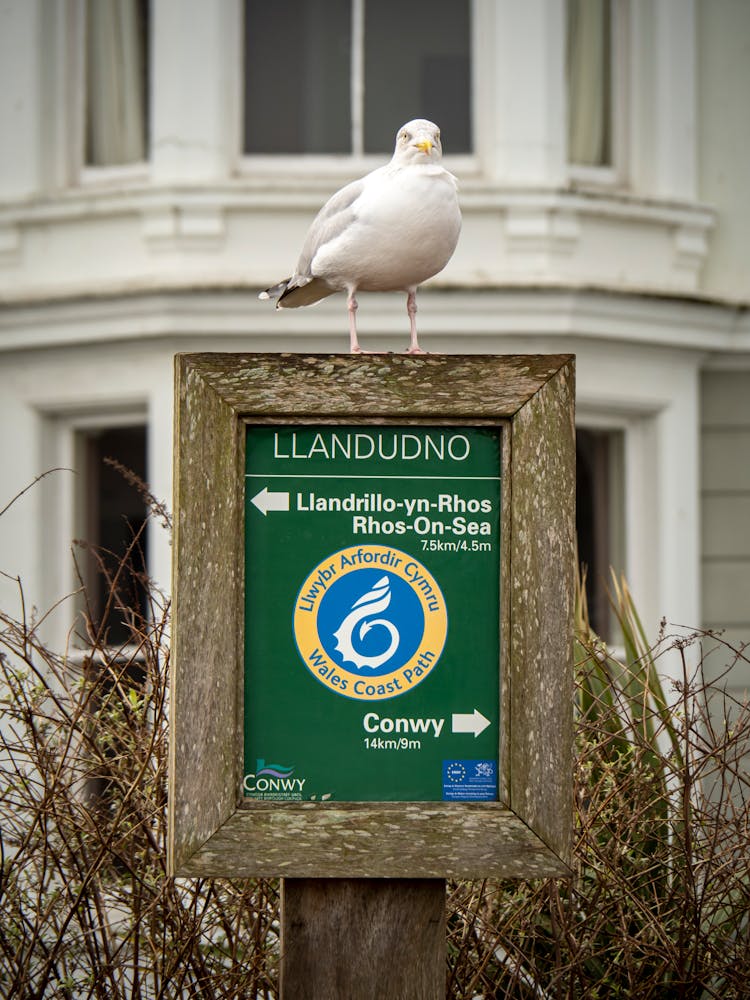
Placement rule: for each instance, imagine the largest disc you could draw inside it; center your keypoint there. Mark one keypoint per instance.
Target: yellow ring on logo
(310, 646)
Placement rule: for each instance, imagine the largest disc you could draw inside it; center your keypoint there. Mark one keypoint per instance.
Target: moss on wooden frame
(213, 831)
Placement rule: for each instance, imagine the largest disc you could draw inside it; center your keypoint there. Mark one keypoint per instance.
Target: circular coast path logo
(370, 622)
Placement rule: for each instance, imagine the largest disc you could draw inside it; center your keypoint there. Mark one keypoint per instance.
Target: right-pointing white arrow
(266, 501)
(474, 723)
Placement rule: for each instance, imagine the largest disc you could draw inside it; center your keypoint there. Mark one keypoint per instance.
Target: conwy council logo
(370, 622)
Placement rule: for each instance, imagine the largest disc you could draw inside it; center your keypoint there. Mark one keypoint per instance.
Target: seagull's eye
(437, 136)
(405, 137)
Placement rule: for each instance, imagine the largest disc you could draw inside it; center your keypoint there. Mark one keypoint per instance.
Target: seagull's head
(418, 142)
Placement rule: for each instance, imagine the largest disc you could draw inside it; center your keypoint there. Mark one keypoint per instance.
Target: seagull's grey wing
(302, 289)
(330, 222)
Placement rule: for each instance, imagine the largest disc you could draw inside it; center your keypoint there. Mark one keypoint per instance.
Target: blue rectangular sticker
(469, 780)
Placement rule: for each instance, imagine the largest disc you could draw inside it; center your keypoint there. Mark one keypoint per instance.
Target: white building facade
(161, 164)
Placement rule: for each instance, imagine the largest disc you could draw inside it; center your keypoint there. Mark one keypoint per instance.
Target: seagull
(389, 231)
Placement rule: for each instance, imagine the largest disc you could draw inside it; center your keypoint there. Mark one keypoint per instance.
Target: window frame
(63, 506)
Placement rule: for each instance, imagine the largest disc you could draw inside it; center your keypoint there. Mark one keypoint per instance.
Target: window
(116, 84)
(592, 83)
(114, 530)
(335, 76)
(600, 518)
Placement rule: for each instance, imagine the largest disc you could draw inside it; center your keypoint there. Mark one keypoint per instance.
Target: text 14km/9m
(402, 743)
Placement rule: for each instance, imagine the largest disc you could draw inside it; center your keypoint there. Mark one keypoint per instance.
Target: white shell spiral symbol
(371, 603)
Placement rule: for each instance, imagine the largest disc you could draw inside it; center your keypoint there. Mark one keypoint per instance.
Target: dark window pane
(116, 515)
(297, 76)
(598, 461)
(417, 66)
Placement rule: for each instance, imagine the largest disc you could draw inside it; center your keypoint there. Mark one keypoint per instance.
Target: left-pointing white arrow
(265, 501)
(475, 723)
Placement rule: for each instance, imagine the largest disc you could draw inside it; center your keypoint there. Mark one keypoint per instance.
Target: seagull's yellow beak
(425, 145)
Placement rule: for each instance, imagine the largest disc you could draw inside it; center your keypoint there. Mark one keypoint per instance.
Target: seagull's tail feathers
(274, 291)
(297, 291)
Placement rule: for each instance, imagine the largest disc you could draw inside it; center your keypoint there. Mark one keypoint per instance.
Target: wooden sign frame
(213, 832)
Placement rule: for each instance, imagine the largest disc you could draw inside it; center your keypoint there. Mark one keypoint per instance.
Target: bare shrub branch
(87, 908)
(660, 902)
(658, 905)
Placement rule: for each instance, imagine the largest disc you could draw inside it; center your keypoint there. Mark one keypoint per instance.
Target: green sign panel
(372, 613)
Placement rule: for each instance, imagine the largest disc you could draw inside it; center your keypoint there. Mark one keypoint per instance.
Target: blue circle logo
(370, 622)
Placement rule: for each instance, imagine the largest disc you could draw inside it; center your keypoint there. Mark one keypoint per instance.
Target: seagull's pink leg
(411, 308)
(351, 305)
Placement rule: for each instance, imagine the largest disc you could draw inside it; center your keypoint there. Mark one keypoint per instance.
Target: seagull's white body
(389, 231)
(405, 230)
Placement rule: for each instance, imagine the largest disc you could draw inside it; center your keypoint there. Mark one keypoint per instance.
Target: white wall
(105, 274)
(647, 390)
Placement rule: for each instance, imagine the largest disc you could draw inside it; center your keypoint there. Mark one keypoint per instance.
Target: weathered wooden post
(372, 644)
